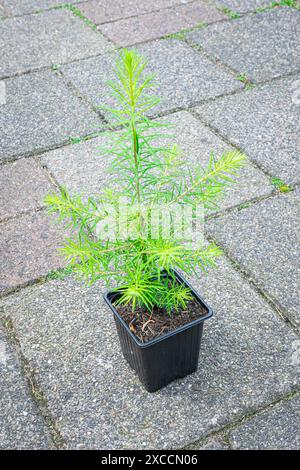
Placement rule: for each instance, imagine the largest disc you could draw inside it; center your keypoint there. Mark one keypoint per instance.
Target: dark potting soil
(147, 326)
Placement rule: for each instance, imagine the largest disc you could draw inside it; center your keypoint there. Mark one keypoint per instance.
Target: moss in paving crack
(232, 14)
(280, 3)
(78, 139)
(242, 77)
(78, 13)
(180, 35)
(55, 66)
(60, 273)
(280, 185)
(245, 205)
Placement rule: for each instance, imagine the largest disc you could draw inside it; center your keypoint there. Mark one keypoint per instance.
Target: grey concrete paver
(41, 112)
(275, 429)
(154, 25)
(262, 46)
(243, 6)
(105, 11)
(29, 249)
(264, 239)
(265, 123)
(49, 38)
(21, 425)
(23, 187)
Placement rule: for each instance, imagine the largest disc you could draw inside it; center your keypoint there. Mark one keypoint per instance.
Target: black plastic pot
(164, 359)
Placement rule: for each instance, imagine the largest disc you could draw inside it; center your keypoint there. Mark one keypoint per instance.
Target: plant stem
(136, 162)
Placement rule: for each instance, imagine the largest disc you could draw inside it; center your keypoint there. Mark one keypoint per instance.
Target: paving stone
(265, 123)
(276, 429)
(263, 46)
(23, 186)
(28, 249)
(21, 426)
(104, 11)
(264, 239)
(17, 7)
(40, 112)
(196, 141)
(243, 6)
(142, 28)
(52, 37)
(184, 76)
(68, 335)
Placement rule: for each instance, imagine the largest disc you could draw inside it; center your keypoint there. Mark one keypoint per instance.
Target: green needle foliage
(148, 174)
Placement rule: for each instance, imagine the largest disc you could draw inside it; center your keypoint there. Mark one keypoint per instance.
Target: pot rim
(170, 333)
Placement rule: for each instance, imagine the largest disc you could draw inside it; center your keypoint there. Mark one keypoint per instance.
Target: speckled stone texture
(275, 429)
(29, 249)
(56, 68)
(40, 112)
(105, 11)
(264, 239)
(243, 6)
(21, 426)
(153, 25)
(68, 335)
(184, 76)
(52, 37)
(262, 46)
(195, 140)
(23, 7)
(23, 187)
(265, 123)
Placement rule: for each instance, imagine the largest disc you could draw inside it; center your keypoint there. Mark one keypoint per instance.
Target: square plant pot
(166, 358)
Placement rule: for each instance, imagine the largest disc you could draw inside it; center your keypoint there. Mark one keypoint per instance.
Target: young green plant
(149, 174)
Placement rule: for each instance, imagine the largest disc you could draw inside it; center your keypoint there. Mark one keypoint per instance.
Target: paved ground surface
(229, 75)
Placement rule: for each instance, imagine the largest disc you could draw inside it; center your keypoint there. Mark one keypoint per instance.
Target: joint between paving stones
(273, 303)
(66, 142)
(223, 431)
(222, 136)
(29, 375)
(82, 97)
(243, 205)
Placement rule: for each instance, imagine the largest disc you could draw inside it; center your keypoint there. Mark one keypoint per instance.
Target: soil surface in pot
(147, 326)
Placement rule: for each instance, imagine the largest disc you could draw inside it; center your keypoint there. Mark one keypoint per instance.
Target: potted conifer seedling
(133, 236)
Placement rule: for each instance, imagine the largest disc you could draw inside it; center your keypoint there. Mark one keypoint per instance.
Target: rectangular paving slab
(82, 169)
(23, 187)
(23, 7)
(68, 335)
(40, 112)
(265, 123)
(106, 11)
(184, 76)
(243, 6)
(153, 25)
(264, 239)
(52, 37)
(262, 46)
(29, 249)
(21, 426)
(275, 429)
